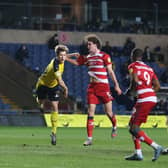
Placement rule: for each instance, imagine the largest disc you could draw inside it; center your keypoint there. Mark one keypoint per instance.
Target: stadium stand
(75, 77)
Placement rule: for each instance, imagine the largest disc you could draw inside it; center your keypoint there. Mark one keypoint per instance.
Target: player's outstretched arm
(71, 60)
(70, 55)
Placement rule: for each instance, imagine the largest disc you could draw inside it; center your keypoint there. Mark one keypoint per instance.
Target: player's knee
(134, 131)
(131, 131)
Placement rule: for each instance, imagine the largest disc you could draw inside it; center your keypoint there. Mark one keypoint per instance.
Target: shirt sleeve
(107, 59)
(154, 76)
(81, 60)
(131, 69)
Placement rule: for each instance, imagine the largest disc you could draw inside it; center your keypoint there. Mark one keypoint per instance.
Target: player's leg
(48, 101)
(137, 145)
(53, 96)
(47, 106)
(137, 155)
(112, 117)
(141, 135)
(138, 117)
(90, 124)
(41, 97)
(143, 110)
(54, 122)
(106, 97)
(92, 100)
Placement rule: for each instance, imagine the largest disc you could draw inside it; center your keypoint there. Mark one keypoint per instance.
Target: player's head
(61, 52)
(136, 54)
(93, 40)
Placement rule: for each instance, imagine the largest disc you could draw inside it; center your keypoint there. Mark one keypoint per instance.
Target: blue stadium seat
(4, 106)
(124, 59)
(75, 77)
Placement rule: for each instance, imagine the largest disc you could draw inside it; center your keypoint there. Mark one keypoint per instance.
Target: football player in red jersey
(144, 83)
(99, 67)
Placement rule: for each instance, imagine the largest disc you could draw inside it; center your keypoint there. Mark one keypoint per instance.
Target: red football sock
(143, 137)
(90, 126)
(137, 143)
(114, 121)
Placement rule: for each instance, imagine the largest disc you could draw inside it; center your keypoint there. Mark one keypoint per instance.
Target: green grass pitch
(29, 147)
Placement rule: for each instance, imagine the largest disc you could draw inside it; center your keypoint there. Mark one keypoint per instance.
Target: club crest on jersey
(130, 70)
(109, 60)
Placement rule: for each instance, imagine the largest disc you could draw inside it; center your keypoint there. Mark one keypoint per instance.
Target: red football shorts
(141, 112)
(98, 93)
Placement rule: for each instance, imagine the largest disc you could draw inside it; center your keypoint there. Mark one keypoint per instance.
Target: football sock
(114, 121)
(139, 152)
(143, 137)
(90, 138)
(54, 119)
(90, 127)
(137, 143)
(154, 145)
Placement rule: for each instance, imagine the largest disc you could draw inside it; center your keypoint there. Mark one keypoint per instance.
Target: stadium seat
(76, 78)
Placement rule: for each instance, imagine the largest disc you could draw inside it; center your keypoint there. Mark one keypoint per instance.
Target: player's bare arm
(76, 54)
(114, 79)
(134, 81)
(62, 84)
(156, 84)
(132, 86)
(72, 61)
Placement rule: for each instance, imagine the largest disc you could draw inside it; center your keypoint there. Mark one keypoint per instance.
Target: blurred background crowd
(99, 16)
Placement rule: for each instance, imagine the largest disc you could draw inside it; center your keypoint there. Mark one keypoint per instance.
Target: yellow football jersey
(51, 73)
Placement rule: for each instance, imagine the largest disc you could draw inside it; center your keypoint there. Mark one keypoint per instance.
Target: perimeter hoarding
(79, 120)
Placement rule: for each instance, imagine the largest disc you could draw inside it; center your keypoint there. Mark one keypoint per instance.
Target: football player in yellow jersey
(49, 85)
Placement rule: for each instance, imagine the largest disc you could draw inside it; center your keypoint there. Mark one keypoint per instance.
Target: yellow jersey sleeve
(50, 77)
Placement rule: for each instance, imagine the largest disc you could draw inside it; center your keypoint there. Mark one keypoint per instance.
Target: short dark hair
(137, 54)
(95, 39)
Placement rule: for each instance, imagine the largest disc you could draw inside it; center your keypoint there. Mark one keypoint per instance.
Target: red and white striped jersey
(96, 65)
(144, 87)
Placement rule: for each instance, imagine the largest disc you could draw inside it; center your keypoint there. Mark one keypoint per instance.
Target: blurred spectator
(115, 52)
(125, 75)
(164, 77)
(107, 48)
(116, 24)
(21, 54)
(147, 55)
(53, 41)
(128, 46)
(161, 58)
(157, 52)
(160, 105)
(83, 50)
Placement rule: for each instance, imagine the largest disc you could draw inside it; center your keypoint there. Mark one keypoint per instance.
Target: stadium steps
(17, 83)
(9, 102)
